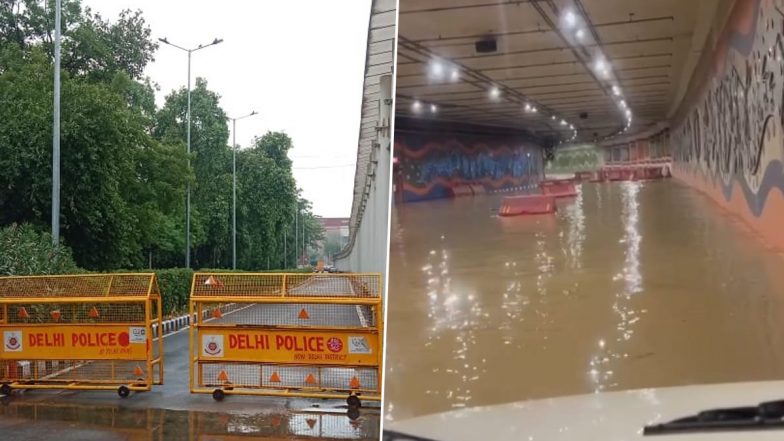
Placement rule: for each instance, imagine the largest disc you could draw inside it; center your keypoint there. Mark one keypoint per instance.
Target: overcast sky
(299, 63)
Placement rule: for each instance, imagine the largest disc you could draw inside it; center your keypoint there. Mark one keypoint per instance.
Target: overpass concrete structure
(366, 250)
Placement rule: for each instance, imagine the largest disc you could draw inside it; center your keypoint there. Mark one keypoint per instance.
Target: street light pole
(56, 131)
(296, 233)
(234, 188)
(188, 137)
(188, 191)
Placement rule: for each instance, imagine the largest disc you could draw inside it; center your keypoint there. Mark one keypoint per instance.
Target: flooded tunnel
(659, 269)
(629, 285)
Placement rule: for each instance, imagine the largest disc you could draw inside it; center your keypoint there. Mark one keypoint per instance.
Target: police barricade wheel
(218, 395)
(123, 391)
(5, 389)
(353, 401)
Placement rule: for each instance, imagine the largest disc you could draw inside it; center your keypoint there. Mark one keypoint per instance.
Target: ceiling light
(433, 108)
(416, 106)
(571, 126)
(580, 34)
(563, 123)
(570, 19)
(527, 107)
(455, 74)
(495, 92)
(623, 103)
(533, 110)
(601, 66)
(553, 117)
(436, 69)
(616, 90)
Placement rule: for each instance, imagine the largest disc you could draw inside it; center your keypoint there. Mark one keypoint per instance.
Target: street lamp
(188, 194)
(234, 188)
(56, 130)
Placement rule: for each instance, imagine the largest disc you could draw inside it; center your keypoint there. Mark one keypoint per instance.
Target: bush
(175, 286)
(27, 251)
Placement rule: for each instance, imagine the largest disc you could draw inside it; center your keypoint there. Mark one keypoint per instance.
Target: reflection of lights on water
(631, 212)
(452, 312)
(575, 215)
(599, 367)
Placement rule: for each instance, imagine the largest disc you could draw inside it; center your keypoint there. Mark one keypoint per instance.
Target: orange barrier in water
(462, 190)
(478, 188)
(559, 189)
(619, 174)
(531, 204)
(585, 176)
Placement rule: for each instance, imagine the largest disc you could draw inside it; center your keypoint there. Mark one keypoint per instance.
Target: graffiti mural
(430, 166)
(732, 134)
(575, 159)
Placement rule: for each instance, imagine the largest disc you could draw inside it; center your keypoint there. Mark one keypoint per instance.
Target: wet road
(172, 410)
(66, 422)
(630, 285)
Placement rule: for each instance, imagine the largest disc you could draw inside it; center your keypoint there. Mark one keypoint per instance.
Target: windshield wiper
(391, 435)
(767, 415)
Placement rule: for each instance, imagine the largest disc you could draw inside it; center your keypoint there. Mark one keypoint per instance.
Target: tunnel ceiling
(561, 57)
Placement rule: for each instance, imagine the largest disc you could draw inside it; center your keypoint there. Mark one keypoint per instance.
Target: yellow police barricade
(90, 331)
(306, 335)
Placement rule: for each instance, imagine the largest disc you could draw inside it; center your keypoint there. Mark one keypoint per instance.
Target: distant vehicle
(729, 411)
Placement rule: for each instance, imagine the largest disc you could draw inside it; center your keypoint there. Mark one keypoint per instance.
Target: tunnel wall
(727, 134)
(430, 164)
(651, 147)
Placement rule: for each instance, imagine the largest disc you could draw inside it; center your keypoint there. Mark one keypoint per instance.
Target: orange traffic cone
(311, 422)
(94, 313)
(310, 379)
(23, 313)
(213, 281)
(304, 314)
(275, 420)
(354, 383)
(138, 371)
(223, 376)
(274, 378)
(216, 313)
(55, 315)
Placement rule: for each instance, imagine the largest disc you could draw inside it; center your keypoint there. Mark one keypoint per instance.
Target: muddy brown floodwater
(629, 285)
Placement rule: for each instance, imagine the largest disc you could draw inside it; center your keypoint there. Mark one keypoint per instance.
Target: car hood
(608, 416)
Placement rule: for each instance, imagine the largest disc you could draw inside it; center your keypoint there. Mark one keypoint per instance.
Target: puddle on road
(20, 420)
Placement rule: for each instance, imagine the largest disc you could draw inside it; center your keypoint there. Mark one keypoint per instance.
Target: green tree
(120, 189)
(123, 161)
(211, 164)
(91, 46)
(111, 184)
